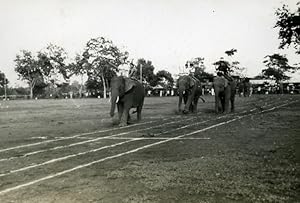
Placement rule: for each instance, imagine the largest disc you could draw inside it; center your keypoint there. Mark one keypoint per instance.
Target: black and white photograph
(149, 101)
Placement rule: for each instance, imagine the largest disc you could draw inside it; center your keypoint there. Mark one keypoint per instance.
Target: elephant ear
(129, 84)
(226, 83)
(192, 82)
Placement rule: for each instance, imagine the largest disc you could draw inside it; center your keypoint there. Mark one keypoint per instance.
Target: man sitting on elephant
(132, 71)
(223, 70)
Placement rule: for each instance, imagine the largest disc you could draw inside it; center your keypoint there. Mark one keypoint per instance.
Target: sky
(166, 32)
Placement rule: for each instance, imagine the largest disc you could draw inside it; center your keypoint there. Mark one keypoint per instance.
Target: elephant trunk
(180, 100)
(114, 100)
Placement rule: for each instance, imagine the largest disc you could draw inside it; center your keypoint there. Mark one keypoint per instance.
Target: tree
(147, 72)
(78, 68)
(197, 67)
(277, 67)
(53, 64)
(165, 79)
(3, 83)
(3, 79)
(102, 59)
(289, 27)
(54, 68)
(28, 69)
(93, 86)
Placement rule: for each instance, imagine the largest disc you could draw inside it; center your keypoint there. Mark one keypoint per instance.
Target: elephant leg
(139, 112)
(227, 98)
(191, 109)
(195, 104)
(128, 118)
(189, 104)
(185, 100)
(180, 102)
(120, 111)
(124, 117)
(232, 104)
(222, 105)
(217, 103)
(226, 105)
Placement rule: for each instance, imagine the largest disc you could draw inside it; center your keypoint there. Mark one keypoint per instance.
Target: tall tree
(52, 61)
(78, 68)
(102, 59)
(277, 67)
(28, 69)
(289, 27)
(147, 72)
(53, 64)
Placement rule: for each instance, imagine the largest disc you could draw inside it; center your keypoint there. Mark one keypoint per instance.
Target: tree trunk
(31, 86)
(180, 100)
(104, 86)
(5, 88)
(81, 87)
(31, 91)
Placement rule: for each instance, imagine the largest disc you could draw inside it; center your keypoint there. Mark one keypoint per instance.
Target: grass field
(70, 151)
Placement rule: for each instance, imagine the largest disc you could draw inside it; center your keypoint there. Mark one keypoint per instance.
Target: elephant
(224, 92)
(190, 90)
(127, 93)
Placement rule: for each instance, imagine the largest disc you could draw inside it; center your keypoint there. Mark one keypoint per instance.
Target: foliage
(101, 59)
(28, 69)
(147, 72)
(289, 27)
(231, 52)
(3, 80)
(277, 67)
(52, 61)
(197, 68)
(165, 79)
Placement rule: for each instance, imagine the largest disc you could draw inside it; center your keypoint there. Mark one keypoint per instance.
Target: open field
(69, 151)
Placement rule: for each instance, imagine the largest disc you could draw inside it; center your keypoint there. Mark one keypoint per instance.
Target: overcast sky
(167, 32)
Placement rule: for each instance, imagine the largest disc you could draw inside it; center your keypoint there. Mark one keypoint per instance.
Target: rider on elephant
(132, 71)
(223, 70)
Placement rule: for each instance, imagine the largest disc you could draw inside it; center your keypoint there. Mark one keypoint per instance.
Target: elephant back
(220, 82)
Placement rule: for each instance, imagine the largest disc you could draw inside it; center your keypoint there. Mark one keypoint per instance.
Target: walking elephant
(127, 93)
(190, 90)
(224, 93)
